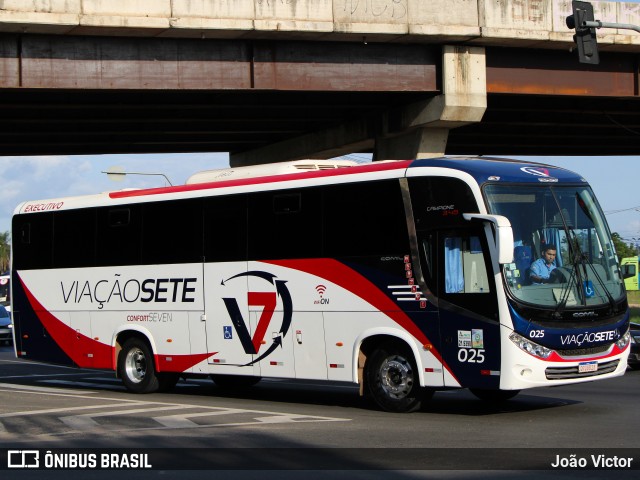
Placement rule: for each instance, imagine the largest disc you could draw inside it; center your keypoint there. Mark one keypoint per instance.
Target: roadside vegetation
(634, 302)
(5, 251)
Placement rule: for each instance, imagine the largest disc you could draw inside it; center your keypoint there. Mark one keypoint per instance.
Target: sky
(615, 180)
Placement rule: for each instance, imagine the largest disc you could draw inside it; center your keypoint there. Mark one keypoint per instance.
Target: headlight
(624, 340)
(529, 346)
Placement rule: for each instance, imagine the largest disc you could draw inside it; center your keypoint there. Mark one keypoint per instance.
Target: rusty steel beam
(92, 95)
(550, 72)
(354, 67)
(63, 62)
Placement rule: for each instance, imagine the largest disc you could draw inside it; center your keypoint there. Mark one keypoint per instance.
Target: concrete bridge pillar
(419, 130)
(423, 128)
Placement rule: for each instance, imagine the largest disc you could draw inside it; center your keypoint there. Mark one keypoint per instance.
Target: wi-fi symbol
(321, 289)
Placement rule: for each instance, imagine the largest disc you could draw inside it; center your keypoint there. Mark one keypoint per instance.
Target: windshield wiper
(579, 257)
(562, 302)
(575, 271)
(610, 298)
(612, 302)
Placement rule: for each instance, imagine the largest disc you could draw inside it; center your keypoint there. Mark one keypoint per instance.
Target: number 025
(471, 355)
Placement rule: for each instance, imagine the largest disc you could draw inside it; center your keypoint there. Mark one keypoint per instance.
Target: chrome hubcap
(396, 377)
(136, 365)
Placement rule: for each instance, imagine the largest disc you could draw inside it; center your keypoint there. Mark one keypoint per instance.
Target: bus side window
(32, 246)
(225, 229)
(430, 265)
(25, 234)
(71, 249)
(118, 236)
(363, 219)
(285, 225)
(628, 271)
(465, 270)
(172, 232)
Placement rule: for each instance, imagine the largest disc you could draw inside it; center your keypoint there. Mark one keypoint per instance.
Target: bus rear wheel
(136, 368)
(391, 378)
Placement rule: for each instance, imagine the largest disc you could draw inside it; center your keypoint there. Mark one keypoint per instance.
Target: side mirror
(504, 234)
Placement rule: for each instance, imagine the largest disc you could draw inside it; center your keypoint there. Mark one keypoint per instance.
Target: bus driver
(541, 269)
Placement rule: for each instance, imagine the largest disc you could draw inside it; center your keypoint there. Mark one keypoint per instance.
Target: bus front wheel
(391, 378)
(136, 368)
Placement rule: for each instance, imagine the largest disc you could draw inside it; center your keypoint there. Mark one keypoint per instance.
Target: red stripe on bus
(76, 345)
(366, 168)
(73, 343)
(352, 281)
(555, 357)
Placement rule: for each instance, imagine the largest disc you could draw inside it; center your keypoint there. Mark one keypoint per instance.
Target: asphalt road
(280, 425)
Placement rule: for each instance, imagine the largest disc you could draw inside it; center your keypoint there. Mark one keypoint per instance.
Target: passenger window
(465, 270)
(285, 226)
(70, 249)
(118, 236)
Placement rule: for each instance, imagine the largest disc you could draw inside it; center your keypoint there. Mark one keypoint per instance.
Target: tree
(622, 249)
(5, 251)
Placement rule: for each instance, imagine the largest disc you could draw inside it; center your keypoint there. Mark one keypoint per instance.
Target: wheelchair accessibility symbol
(228, 332)
(588, 289)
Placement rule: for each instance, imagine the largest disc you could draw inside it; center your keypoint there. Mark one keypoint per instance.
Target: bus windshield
(565, 221)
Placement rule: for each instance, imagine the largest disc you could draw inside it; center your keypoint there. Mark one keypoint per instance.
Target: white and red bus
(404, 277)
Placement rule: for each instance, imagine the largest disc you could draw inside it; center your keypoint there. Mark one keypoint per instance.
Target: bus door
(249, 316)
(228, 322)
(469, 326)
(270, 306)
(226, 293)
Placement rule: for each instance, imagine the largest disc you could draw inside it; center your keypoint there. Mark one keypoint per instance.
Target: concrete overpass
(275, 80)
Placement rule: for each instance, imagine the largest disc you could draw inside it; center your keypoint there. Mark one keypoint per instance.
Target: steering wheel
(556, 276)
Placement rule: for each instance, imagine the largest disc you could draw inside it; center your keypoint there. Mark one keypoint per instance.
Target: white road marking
(86, 421)
(281, 418)
(61, 410)
(44, 375)
(80, 422)
(35, 363)
(33, 388)
(72, 383)
(83, 423)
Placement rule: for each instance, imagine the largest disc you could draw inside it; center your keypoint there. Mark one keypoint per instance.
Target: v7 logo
(267, 300)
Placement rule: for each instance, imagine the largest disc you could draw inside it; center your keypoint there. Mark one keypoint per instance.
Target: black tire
(136, 368)
(494, 396)
(235, 381)
(391, 379)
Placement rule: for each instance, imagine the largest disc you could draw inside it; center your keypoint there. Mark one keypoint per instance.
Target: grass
(634, 299)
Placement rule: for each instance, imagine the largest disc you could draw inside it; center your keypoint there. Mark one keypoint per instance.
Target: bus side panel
(372, 297)
(33, 340)
(471, 347)
(82, 311)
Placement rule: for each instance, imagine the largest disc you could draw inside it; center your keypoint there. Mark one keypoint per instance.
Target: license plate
(587, 367)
